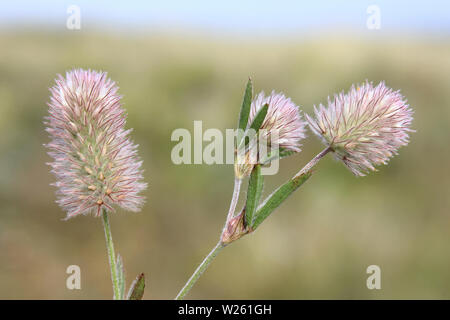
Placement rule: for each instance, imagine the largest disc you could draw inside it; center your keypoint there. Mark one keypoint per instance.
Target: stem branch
(313, 162)
(237, 184)
(234, 200)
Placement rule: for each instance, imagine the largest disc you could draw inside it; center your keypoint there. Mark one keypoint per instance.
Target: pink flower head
(95, 164)
(283, 128)
(365, 127)
(283, 116)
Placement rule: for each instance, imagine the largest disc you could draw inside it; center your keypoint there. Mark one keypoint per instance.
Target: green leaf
(259, 118)
(286, 153)
(120, 276)
(278, 154)
(137, 288)
(276, 198)
(251, 134)
(255, 186)
(246, 102)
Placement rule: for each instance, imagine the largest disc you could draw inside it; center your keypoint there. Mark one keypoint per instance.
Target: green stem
(313, 162)
(235, 198)
(111, 255)
(199, 271)
(237, 184)
(205, 263)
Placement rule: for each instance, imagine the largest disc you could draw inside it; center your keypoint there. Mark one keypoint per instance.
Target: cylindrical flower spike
(283, 127)
(95, 164)
(365, 127)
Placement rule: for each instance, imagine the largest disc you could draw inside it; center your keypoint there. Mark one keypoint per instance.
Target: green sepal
(137, 288)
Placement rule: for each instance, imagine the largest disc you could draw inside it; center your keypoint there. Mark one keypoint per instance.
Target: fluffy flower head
(282, 128)
(365, 127)
(95, 164)
(283, 116)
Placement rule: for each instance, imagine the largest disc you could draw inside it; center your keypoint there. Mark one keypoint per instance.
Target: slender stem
(199, 271)
(235, 198)
(313, 162)
(205, 263)
(111, 255)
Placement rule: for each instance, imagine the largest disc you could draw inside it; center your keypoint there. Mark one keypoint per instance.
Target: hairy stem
(205, 263)
(235, 198)
(313, 162)
(199, 271)
(111, 255)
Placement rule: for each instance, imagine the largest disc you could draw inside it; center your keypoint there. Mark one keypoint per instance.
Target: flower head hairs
(95, 163)
(365, 127)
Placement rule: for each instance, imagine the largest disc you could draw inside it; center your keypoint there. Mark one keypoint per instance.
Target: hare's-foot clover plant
(97, 168)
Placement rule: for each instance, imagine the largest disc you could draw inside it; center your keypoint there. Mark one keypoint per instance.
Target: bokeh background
(177, 62)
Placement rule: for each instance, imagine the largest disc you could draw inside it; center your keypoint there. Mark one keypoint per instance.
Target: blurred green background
(317, 245)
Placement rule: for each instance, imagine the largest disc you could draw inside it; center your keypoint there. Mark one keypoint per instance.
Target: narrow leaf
(251, 134)
(277, 197)
(259, 118)
(286, 153)
(245, 109)
(277, 154)
(255, 186)
(137, 288)
(120, 277)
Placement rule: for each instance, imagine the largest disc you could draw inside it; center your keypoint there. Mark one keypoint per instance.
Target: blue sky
(233, 16)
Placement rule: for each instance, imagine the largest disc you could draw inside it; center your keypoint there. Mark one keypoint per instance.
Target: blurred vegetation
(317, 245)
